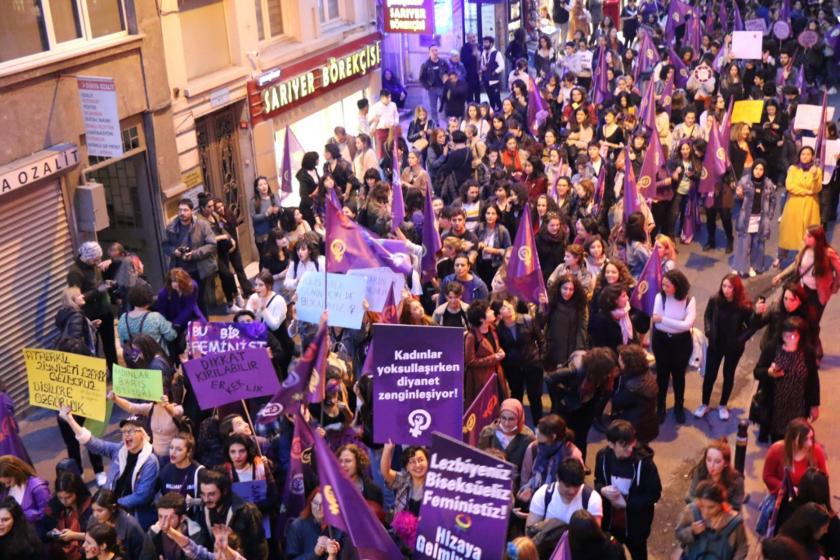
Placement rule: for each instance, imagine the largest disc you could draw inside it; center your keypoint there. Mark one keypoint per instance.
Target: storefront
(312, 96)
(36, 250)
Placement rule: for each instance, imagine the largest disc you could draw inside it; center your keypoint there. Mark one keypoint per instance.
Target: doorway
(221, 166)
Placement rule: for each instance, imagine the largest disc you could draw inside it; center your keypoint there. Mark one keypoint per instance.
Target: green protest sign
(144, 384)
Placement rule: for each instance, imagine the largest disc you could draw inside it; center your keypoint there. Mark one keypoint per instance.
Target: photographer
(191, 244)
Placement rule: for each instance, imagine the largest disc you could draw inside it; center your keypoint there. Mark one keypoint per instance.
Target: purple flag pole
(650, 283)
(431, 239)
(524, 275)
(653, 162)
(343, 501)
(294, 495)
(286, 164)
(820, 143)
(398, 205)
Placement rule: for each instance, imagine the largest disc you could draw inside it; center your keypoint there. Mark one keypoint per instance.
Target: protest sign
(466, 503)
(379, 281)
(214, 338)
(757, 24)
(344, 299)
(255, 492)
(746, 45)
(832, 149)
(144, 384)
(808, 38)
(809, 117)
(747, 110)
(781, 30)
(97, 428)
(57, 379)
(482, 411)
(219, 379)
(418, 381)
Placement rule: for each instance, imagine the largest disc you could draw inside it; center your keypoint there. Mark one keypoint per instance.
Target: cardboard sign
(781, 30)
(418, 382)
(809, 117)
(757, 24)
(379, 281)
(344, 299)
(220, 379)
(144, 384)
(466, 503)
(57, 379)
(97, 428)
(748, 111)
(746, 45)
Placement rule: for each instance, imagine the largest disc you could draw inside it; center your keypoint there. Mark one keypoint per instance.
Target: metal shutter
(35, 253)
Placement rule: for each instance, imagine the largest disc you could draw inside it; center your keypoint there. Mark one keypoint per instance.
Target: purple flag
(466, 504)
(536, 108)
(820, 143)
(800, 79)
(481, 412)
(524, 275)
(723, 16)
(286, 164)
(714, 162)
(737, 20)
(680, 69)
(694, 35)
(563, 550)
(387, 317)
(717, 63)
(343, 501)
(667, 92)
(653, 162)
(305, 382)
(294, 494)
(691, 220)
(333, 196)
(650, 283)
(392, 253)
(350, 245)
(648, 55)
(431, 239)
(710, 17)
(599, 190)
(631, 191)
(601, 82)
(725, 127)
(647, 112)
(833, 38)
(398, 205)
(219, 379)
(784, 11)
(677, 12)
(10, 442)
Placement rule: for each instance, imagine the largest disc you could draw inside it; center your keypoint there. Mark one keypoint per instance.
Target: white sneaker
(832, 90)
(723, 413)
(233, 308)
(701, 411)
(753, 273)
(101, 479)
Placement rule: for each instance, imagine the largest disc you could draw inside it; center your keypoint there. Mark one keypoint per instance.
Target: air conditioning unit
(91, 209)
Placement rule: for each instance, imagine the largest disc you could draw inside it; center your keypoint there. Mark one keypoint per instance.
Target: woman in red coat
(483, 354)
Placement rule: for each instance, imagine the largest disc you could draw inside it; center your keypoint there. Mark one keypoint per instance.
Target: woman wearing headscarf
(508, 433)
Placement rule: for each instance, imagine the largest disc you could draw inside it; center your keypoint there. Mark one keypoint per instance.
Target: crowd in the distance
(585, 109)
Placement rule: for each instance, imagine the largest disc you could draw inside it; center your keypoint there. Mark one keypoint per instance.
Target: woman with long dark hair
(483, 353)
(716, 466)
(493, 240)
(565, 318)
(793, 456)
(588, 541)
(101, 543)
(612, 326)
(727, 320)
(674, 311)
(69, 513)
(554, 443)
(130, 536)
(265, 209)
(551, 243)
(710, 519)
(18, 538)
(523, 343)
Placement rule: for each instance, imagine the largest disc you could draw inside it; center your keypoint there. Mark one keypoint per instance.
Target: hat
(134, 421)
(90, 251)
(455, 52)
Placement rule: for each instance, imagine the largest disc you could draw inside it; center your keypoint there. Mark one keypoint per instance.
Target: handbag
(420, 144)
(760, 406)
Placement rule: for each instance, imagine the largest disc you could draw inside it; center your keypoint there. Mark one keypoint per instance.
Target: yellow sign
(58, 379)
(748, 111)
(193, 177)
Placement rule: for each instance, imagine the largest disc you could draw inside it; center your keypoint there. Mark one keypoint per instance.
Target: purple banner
(481, 412)
(466, 503)
(418, 381)
(216, 338)
(219, 379)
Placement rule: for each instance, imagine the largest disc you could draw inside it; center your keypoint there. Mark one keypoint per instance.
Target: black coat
(526, 348)
(635, 401)
(454, 98)
(246, 521)
(550, 252)
(604, 331)
(87, 277)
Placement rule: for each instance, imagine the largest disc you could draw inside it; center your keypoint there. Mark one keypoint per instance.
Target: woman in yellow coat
(804, 182)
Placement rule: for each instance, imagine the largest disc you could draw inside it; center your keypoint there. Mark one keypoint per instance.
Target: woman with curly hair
(716, 466)
(565, 318)
(355, 463)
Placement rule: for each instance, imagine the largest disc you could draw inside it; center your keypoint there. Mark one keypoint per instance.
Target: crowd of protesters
(558, 127)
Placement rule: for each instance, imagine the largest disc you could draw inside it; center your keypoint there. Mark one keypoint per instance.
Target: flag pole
(251, 423)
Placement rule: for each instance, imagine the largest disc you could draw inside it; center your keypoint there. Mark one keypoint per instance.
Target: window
(29, 27)
(328, 10)
(130, 141)
(269, 19)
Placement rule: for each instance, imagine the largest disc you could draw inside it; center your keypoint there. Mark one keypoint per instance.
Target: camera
(54, 534)
(184, 250)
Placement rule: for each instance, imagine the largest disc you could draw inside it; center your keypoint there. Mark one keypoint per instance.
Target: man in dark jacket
(470, 58)
(432, 76)
(457, 163)
(191, 244)
(628, 480)
(86, 275)
(454, 97)
(221, 505)
(171, 512)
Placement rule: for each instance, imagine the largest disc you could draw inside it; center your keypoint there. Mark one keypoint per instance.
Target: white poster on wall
(98, 98)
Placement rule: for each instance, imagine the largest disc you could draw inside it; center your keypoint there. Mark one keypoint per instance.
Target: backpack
(130, 352)
(711, 545)
(546, 533)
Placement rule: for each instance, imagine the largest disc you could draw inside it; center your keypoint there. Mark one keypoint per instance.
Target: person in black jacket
(457, 163)
(221, 505)
(309, 181)
(432, 75)
(524, 345)
(628, 480)
(172, 514)
(727, 319)
(456, 91)
(18, 538)
(634, 399)
(580, 390)
(611, 326)
(470, 58)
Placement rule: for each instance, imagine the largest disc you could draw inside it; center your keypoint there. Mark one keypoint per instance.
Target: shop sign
(304, 80)
(410, 16)
(98, 97)
(192, 178)
(41, 165)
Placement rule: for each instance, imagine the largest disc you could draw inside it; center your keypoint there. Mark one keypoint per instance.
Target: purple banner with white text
(418, 382)
(215, 338)
(220, 379)
(466, 503)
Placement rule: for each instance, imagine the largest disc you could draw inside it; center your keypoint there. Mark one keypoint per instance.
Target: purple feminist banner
(418, 382)
(220, 379)
(216, 338)
(481, 412)
(466, 503)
